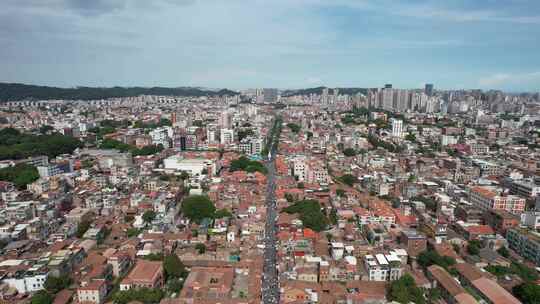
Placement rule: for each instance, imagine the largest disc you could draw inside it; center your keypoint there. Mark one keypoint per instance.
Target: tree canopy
(17, 91)
(201, 248)
(310, 214)
(348, 179)
(244, 164)
(16, 145)
(528, 293)
(431, 257)
(20, 175)
(144, 295)
(41, 297)
(349, 152)
(173, 267)
(294, 127)
(474, 246)
(115, 144)
(148, 216)
(55, 284)
(198, 207)
(404, 290)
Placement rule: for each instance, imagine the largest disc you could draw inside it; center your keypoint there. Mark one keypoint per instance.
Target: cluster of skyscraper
(401, 100)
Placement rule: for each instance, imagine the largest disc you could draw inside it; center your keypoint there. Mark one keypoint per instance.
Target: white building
(447, 140)
(397, 127)
(527, 188)
(194, 166)
(299, 167)
(385, 267)
(161, 136)
(25, 282)
(531, 219)
(227, 136)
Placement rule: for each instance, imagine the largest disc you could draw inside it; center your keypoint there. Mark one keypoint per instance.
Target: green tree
(131, 232)
(173, 267)
(55, 284)
(431, 257)
(20, 175)
(42, 297)
(473, 248)
(349, 152)
(198, 207)
(244, 164)
(289, 197)
(144, 295)
(201, 248)
(497, 270)
(348, 179)
(503, 251)
(340, 192)
(148, 216)
(526, 273)
(310, 214)
(222, 213)
(333, 217)
(528, 293)
(45, 129)
(82, 227)
(294, 127)
(410, 137)
(405, 291)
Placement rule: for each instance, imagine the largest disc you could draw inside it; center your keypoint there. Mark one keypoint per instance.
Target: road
(270, 283)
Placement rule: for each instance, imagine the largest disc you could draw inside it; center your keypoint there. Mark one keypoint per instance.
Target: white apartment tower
(397, 127)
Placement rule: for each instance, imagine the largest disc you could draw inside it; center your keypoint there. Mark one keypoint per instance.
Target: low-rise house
(147, 274)
(94, 292)
(121, 262)
(488, 289)
(451, 291)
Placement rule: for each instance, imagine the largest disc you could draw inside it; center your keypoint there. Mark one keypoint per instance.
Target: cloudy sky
(272, 43)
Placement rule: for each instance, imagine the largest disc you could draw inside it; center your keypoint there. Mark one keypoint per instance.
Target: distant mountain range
(17, 91)
(318, 90)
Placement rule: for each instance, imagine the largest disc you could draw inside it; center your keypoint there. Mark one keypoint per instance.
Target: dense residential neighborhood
(329, 196)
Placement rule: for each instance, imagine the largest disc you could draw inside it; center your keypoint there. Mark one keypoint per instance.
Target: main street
(270, 283)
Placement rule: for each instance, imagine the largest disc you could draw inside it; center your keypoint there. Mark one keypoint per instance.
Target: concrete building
(397, 127)
(525, 242)
(147, 274)
(487, 199)
(94, 292)
(451, 290)
(526, 187)
(194, 166)
(385, 267)
(226, 136)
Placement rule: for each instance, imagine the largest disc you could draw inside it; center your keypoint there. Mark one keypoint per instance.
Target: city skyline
(283, 44)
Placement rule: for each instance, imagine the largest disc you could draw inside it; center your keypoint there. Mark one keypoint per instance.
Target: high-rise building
(225, 120)
(429, 89)
(401, 100)
(387, 99)
(397, 127)
(270, 95)
(211, 135)
(324, 96)
(227, 136)
(388, 86)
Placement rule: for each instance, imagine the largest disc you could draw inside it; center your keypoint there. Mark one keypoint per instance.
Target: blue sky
(488, 44)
